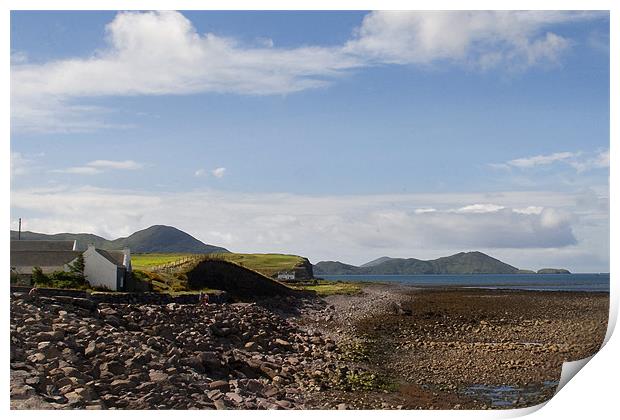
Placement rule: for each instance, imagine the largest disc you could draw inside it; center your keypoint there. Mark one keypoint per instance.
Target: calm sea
(596, 282)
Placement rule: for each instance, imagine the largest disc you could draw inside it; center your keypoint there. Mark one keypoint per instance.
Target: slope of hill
(158, 238)
(376, 262)
(335, 267)
(401, 266)
(272, 264)
(461, 263)
(472, 262)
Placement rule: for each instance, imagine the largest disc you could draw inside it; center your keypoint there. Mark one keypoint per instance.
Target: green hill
(335, 267)
(461, 263)
(553, 271)
(155, 239)
(376, 262)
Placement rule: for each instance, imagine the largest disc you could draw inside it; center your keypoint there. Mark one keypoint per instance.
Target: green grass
(327, 288)
(147, 261)
(266, 264)
(163, 282)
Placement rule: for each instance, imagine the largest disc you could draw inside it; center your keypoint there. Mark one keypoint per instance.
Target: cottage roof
(30, 245)
(42, 258)
(115, 257)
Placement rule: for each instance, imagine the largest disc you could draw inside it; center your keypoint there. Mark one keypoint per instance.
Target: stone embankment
(216, 296)
(73, 352)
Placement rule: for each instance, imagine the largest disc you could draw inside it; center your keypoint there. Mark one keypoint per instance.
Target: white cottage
(108, 269)
(286, 275)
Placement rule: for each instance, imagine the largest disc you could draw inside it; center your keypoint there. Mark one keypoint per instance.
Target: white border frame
(591, 395)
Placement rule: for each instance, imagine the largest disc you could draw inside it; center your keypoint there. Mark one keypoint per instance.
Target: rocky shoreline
(387, 347)
(465, 348)
(75, 353)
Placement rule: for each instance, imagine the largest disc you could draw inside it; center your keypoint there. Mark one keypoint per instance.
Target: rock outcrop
(303, 270)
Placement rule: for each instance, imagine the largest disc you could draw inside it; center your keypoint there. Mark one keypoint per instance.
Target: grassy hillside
(266, 264)
(146, 262)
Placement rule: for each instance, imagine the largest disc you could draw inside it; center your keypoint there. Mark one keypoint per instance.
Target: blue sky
(336, 135)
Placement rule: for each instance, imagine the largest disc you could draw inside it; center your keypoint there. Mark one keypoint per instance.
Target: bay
(579, 282)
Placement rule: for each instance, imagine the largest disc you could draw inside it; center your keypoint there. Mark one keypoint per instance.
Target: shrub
(18, 279)
(178, 287)
(139, 281)
(59, 279)
(38, 278)
(78, 265)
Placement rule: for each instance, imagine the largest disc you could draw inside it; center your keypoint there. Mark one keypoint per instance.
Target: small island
(553, 271)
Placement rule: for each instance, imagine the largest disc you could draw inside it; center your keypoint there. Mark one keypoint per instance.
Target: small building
(102, 268)
(49, 256)
(286, 275)
(107, 269)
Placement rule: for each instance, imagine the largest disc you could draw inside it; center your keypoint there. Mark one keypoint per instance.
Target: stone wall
(123, 298)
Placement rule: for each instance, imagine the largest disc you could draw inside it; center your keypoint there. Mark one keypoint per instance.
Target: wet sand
(460, 348)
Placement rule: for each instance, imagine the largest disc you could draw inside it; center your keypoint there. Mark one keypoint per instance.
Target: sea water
(581, 282)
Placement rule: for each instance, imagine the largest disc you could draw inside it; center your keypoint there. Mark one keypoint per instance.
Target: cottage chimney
(127, 258)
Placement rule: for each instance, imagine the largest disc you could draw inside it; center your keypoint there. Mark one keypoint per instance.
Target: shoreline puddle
(507, 396)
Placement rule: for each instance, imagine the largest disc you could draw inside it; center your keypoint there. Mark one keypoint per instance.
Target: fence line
(170, 266)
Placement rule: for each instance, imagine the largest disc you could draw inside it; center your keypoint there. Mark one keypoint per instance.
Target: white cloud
(129, 165)
(580, 161)
(552, 218)
(265, 42)
(18, 57)
(99, 166)
(480, 208)
(539, 160)
(78, 170)
(424, 210)
(601, 160)
(161, 53)
(483, 39)
(158, 53)
(348, 228)
(529, 210)
(218, 172)
(20, 165)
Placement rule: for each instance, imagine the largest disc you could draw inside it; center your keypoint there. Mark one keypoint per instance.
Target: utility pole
(19, 232)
